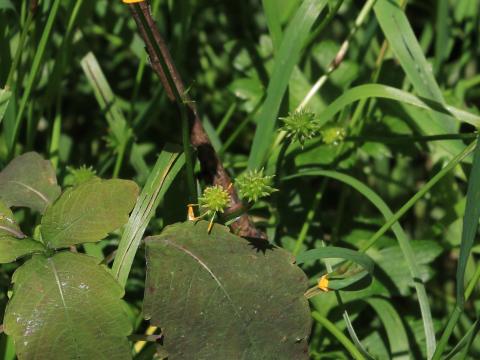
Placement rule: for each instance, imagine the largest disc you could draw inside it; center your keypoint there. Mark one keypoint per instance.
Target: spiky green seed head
(77, 176)
(214, 199)
(253, 185)
(333, 135)
(300, 126)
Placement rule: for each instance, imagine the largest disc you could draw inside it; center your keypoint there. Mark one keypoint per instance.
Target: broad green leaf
(4, 100)
(8, 224)
(285, 60)
(67, 307)
(29, 181)
(218, 296)
(12, 248)
(88, 212)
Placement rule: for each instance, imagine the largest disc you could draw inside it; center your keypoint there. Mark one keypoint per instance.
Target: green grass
(399, 191)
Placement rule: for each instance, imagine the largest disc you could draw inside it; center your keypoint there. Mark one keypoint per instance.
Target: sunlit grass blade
(392, 322)
(4, 100)
(401, 236)
(388, 92)
(108, 103)
(285, 60)
(168, 165)
(408, 51)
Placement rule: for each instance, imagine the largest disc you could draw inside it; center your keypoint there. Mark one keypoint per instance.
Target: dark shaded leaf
(12, 248)
(218, 296)
(29, 181)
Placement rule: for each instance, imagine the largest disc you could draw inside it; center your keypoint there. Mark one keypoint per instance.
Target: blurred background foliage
(225, 53)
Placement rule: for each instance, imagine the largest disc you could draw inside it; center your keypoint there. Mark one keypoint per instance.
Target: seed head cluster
(214, 199)
(300, 126)
(253, 185)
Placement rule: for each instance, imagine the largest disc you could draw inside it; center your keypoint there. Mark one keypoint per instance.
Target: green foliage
(67, 307)
(29, 181)
(77, 176)
(200, 300)
(379, 169)
(63, 305)
(88, 212)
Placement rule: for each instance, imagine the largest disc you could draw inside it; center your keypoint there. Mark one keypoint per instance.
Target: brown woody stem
(163, 65)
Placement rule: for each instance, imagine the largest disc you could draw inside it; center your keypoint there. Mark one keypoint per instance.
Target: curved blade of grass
(408, 51)
(332, 252)
(469, 231)
(12, 132)
(287, 57)
(167, 167)
(396, 333)
(403, 242)
(388, 92)
(340, 336)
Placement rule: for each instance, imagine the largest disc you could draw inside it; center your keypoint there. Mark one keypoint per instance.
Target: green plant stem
(226, 118)
(56, 132)
(309, 219)
(238, 129)
(411, 138)
(37, 60)
(452, 322)
(340, 336)
(187, 149)
(408, 205)
(19, 51)
(473, 282)
(339, 57)
(163, 65)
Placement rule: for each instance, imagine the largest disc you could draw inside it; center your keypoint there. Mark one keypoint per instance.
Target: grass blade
(288, 56)
(464, 344)
(401, 236)
(332, 252)
(12, 133)
(340, 336)
(387, 92)
(396, 333)
(4, 100)
(168, 166)
(108, 103)
(271, 10)
(408, 51)
(469, 232)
